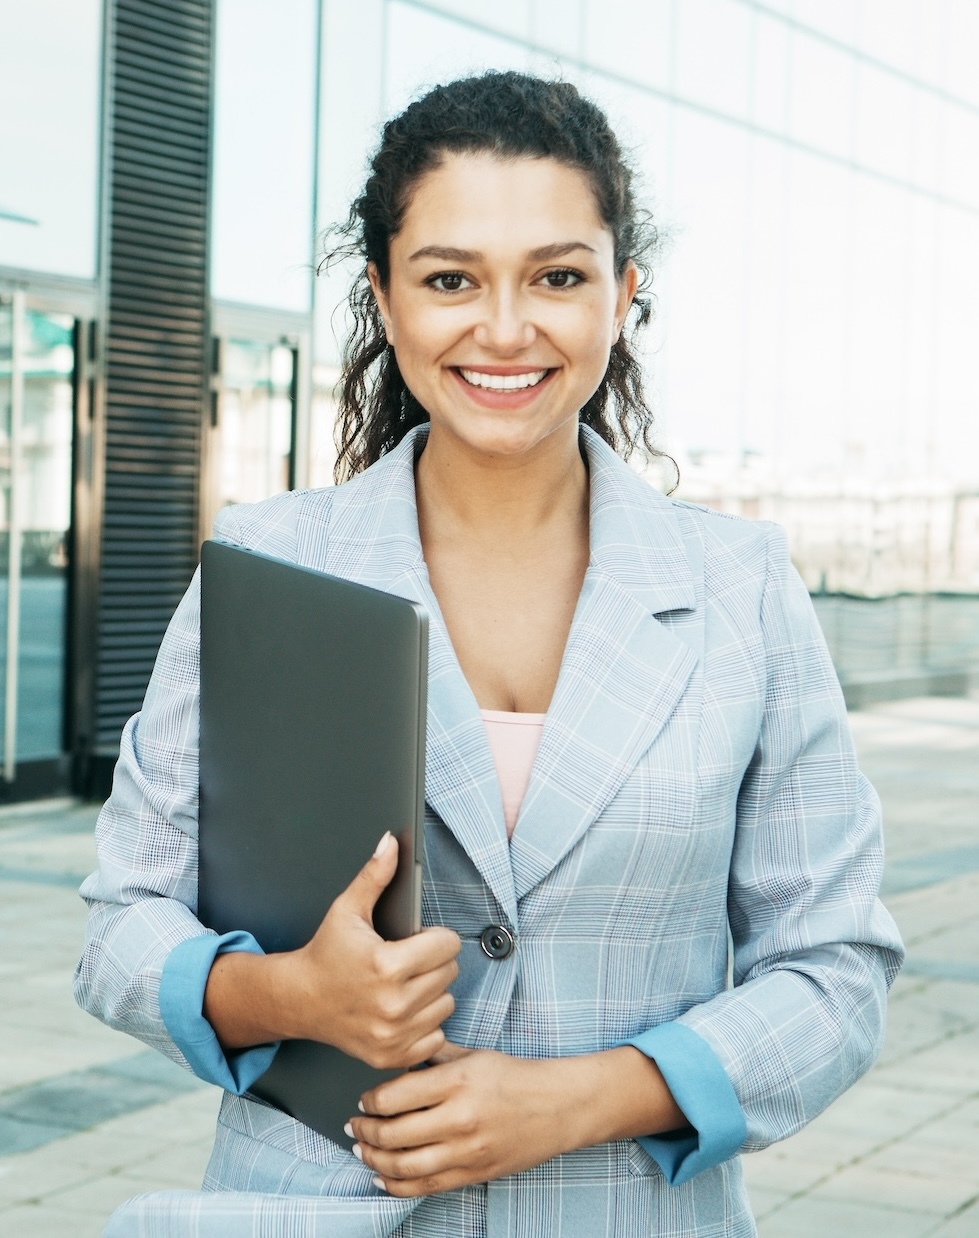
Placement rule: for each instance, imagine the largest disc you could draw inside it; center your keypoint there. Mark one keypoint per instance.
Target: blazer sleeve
(814, 951)
(146, 956)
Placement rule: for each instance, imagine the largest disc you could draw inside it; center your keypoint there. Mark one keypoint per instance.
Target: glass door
(251, 450)
(37, 364)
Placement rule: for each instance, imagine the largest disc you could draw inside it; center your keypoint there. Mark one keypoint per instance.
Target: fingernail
(348, 1130)
(360, 1106)
(357, 1152)
(382, 845)
(379, 1184)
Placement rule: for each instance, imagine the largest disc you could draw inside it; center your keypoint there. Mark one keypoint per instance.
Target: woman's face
(503, 303)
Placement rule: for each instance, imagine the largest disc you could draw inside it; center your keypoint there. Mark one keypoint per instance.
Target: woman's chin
(511, 440)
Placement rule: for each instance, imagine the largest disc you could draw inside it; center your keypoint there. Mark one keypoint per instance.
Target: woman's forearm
(617, 1094)
(247, 1001)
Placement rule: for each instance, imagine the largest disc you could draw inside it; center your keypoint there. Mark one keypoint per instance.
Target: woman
(636, 744)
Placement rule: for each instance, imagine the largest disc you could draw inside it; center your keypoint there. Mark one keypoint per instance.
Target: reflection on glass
(6, 410)
(264, 114)
(322, 422)
(256, 421)
(42, 491)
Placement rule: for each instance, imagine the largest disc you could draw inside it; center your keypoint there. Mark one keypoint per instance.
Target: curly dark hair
(509, 115)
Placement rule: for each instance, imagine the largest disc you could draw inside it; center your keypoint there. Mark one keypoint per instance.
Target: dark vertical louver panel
(159, 135)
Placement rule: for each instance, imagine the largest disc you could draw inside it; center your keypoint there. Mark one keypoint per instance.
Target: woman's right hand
(383, 1002)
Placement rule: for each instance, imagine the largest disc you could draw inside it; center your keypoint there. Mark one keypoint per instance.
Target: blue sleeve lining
(701, 1088)
(182, 987)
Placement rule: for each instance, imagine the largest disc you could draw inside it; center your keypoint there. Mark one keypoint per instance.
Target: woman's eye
(448, 281)
(562, 279)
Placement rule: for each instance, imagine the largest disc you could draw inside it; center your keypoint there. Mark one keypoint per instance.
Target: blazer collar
(620, 678)
(636, 538)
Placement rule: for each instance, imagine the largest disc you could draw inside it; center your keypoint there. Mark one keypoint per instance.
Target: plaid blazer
(695, 786)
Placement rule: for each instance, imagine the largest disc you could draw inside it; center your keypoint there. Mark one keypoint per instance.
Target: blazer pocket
(641, 1164)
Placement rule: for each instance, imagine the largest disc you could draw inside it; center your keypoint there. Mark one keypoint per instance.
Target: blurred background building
(168, 168)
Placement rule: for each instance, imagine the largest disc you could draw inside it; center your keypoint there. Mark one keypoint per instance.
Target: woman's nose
(504, 327)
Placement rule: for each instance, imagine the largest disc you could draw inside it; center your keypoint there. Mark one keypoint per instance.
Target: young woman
(637, 754)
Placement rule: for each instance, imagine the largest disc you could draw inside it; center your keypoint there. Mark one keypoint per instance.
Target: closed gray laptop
(312, 744)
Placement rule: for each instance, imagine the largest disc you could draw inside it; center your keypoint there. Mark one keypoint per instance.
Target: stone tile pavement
(899, 1153)
(88, 1117)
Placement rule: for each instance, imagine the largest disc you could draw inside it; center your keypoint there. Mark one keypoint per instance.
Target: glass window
(954, 426)
(35, 496)
(884, 122)
(322, 449)
(927, 140)
(255, 422)
(633, 38)
(706, 258)
(921, 342)
(351, 96)
(50, 62)
(561, 27)
(713, 54)
(508, 16)
(823, 85)
(959, 147)
(878, 319)
(423, 49)
(771, 76)
(889, 30)
(959, 41)
(837, 18)
(758, 391)
(262, 208)
(814, 331)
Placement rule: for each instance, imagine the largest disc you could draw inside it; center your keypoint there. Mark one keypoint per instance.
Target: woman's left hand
(473, 1116)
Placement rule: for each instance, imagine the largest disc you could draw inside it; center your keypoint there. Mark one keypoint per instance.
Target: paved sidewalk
(88, 1117)
(898, 1155)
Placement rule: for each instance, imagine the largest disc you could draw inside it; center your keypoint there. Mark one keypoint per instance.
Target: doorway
(37, 386)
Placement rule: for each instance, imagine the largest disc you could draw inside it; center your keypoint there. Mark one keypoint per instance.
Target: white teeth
(502, 382)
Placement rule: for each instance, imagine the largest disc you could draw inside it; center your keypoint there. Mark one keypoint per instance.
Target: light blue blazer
(694, 871)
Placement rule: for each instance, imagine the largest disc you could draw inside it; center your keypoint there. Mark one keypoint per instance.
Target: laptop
(312, 744)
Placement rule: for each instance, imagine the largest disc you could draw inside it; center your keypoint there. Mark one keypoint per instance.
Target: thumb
(449, 1052)
(369, 884)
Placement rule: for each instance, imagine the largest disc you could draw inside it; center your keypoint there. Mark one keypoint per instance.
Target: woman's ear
(628, 286)
(380, 296)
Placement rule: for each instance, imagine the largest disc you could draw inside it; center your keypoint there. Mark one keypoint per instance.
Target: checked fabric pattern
(695, 778)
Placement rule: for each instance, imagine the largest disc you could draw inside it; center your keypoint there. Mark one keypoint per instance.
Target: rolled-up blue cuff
(701, 1088)
(182, 987)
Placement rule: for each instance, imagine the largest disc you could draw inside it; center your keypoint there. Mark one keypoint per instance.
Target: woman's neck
(479, 497)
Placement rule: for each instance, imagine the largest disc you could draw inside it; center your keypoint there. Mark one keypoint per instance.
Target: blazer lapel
(623, 672)
(367, 531)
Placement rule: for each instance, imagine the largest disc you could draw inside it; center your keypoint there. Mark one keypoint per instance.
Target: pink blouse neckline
(513, 740)
(509, 715)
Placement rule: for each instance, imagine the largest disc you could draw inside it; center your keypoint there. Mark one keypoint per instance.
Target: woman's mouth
(502, 382)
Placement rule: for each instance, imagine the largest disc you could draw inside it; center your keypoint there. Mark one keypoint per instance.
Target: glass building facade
(810, 165)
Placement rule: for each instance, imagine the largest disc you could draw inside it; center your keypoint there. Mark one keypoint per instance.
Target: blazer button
(496, 942)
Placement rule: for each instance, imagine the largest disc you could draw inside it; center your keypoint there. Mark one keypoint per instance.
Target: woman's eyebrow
(545, 253)
(561, 250)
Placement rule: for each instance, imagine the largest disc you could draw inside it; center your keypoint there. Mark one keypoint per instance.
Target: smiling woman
(637, 756)
(508, 136)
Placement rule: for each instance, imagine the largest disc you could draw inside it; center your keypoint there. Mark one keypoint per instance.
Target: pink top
(513, 740)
